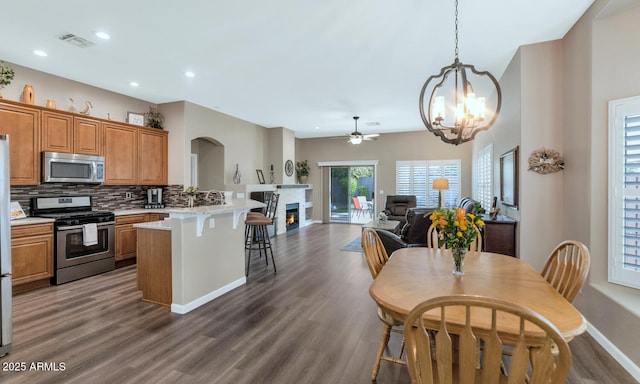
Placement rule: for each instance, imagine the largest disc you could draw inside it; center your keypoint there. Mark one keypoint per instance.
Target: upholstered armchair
(413, 234)
(396, 207)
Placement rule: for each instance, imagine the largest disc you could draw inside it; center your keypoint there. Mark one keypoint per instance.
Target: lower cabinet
(500, 235)
(127, 235)
(31, 254)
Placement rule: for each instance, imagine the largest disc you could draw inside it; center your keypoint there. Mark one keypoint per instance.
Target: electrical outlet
(129, 195)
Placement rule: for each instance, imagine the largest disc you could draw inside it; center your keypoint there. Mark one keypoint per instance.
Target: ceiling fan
(356, 137)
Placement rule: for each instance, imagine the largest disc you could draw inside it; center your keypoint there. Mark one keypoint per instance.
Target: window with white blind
(624, 192)
(484, 174)
(416, 178)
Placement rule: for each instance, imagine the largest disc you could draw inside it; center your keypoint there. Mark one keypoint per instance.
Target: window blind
(416, 178)
(484, 172)
(624, 192)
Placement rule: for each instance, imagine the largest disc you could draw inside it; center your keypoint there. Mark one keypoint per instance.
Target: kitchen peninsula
(194, 256)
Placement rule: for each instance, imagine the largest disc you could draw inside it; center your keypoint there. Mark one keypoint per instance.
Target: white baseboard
(617, 354)
(182, 309)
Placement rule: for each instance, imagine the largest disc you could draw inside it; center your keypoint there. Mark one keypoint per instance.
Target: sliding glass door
(351, 193)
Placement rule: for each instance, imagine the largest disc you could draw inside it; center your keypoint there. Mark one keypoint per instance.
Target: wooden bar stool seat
(256, 234)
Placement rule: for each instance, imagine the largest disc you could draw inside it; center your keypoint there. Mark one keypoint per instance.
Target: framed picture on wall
(260, 176)
(509, 178)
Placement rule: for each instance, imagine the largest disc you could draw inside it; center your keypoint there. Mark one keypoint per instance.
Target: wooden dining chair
(432, 357)
(432, 239)
(567, 267)
(432, 236)
(476, 244)
(376, 259)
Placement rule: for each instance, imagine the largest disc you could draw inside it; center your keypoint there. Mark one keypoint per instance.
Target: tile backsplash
(104, 197)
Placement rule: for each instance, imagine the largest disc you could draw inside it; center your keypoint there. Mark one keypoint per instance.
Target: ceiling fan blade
(372, 135)
(370, 138)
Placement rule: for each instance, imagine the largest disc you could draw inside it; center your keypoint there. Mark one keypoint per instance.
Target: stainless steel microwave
(72, 168)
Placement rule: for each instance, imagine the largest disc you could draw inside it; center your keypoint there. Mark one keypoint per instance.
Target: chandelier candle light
(458, 121)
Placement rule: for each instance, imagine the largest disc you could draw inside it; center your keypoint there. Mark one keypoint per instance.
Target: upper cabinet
(120, 154)
(64, 132)
(152, 156)
(135, 155)
(22, 124)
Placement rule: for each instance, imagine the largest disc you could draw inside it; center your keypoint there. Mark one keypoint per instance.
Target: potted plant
(302, 171)
(154, 118)
(6, 75)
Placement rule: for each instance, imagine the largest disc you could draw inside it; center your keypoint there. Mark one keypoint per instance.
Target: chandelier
(455, 112)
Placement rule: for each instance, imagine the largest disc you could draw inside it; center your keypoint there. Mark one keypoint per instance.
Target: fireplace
(292, 216)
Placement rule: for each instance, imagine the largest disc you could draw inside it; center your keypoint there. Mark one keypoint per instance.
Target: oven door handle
(70, 227)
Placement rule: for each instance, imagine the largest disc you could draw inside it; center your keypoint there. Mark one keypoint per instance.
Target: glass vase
(190, 201)
(458, 260)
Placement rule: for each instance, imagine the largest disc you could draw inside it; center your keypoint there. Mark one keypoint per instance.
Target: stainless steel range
(84, 239)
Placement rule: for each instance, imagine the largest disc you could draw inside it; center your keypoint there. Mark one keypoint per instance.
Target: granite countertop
(164, 225)
(136, 211)
(236, 205)
(31, 220)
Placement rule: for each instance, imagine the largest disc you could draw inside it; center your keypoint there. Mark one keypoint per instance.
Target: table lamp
(440, 185)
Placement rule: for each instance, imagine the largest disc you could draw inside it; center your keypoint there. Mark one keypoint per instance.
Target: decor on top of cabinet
(135, 118)
(87, 109)
(50, 104)
(545, 161)
(6, 75)
(72, 108)
(237, 176)
(28, 94)
(154, 118)
(302, 171)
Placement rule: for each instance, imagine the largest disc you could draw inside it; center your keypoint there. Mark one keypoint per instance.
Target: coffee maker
(154, 198)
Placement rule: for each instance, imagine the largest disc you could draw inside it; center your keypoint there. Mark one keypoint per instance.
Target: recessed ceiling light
(40, 53)
(134, 84)
(189, 74)
(317, 127)
(103, 35)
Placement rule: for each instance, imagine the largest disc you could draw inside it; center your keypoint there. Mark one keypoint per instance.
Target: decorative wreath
(545, 161)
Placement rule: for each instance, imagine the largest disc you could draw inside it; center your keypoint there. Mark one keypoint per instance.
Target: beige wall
(609, 41)
(245, 143)
(46, 86)
(390, 147)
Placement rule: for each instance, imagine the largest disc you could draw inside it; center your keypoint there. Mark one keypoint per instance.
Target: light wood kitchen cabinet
(87, 136)
(23, 127)
(66, 133)
(126, 234)
(120, 154)
(152, 156)
(31, 253)
(135, 155)
(57, 132)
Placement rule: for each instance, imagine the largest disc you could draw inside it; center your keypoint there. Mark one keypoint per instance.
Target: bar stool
(256, 235)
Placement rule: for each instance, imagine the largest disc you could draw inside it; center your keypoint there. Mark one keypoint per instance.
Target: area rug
(354, 246)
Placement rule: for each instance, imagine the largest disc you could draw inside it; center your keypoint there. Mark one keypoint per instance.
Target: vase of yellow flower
(456, 231)
(192, 192)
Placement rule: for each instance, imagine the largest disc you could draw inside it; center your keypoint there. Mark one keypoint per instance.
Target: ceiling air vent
(75, 40)
(373, 123)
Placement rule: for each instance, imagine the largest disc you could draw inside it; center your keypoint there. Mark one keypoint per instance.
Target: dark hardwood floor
(312, 322)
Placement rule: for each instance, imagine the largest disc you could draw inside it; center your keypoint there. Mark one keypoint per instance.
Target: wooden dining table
(413, 275)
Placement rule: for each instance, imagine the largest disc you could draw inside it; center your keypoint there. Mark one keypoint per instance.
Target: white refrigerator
(5, 249)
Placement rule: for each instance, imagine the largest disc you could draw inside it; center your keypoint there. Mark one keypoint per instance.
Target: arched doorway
(207, 163)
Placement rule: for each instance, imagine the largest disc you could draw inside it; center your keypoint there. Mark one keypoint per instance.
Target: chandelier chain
(456, 30)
